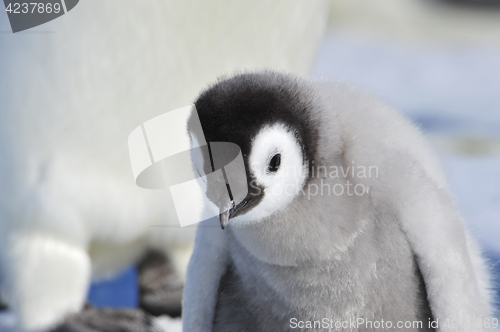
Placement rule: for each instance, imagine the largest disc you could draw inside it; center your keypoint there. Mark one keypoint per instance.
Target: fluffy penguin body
(74, 89)
(353, 219)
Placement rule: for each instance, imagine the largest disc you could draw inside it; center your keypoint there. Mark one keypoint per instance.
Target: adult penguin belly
(72, 97)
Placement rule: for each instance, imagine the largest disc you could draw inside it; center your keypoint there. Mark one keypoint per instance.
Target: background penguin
(392, 248)
(73, 90)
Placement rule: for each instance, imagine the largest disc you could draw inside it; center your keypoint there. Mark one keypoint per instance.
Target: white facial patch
(283, 185)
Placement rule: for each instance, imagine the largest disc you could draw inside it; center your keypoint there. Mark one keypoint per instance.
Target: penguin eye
(274, 164)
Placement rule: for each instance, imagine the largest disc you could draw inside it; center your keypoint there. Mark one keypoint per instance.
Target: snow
(7, 321)
(476, 184)
(442, 81)
(167, 324)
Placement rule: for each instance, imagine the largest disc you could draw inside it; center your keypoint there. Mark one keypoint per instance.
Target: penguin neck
(311, 229)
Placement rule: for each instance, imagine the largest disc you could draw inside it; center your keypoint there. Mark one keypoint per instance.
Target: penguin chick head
(266, 115)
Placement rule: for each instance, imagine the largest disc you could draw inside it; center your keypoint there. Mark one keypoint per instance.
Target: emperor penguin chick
(348, 223)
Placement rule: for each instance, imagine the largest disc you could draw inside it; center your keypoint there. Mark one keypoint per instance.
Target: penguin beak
(227, 209)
